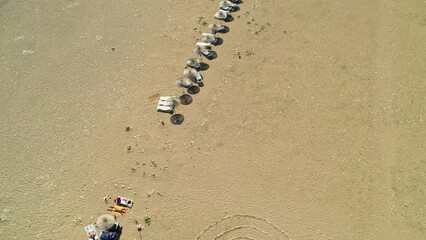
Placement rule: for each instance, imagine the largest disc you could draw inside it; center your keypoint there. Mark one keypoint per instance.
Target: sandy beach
(311, 123)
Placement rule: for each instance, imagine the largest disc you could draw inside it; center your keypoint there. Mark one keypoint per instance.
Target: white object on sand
(203, 44)
(89, 229)
(201, 50)
(209, 38)
(208, 34)
(217, 28)
(193, 63)
(184, 83)
(227, 5)
(194, 75)
(166, 104)
(221, 14)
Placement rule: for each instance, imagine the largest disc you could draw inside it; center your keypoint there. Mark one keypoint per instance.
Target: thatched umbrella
(227, 5)
(221, 14)
(183, 82)
(217, 28)
(190, 73)
(105, 221)
(202, 50)
(193, 63)
(208, 39)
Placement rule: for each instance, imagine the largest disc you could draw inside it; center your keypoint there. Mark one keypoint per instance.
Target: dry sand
(317, 132)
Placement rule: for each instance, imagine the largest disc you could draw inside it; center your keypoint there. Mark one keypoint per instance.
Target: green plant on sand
(148, 220)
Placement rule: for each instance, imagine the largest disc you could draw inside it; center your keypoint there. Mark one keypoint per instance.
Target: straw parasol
(189, 73)
(193, 62)
(208, 39)
(183, 82)
(198, 50)
(221, 15)
(105, 221)
(226, 5)
(215, 27)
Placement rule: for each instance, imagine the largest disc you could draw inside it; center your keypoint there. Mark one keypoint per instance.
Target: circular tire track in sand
(243, 227)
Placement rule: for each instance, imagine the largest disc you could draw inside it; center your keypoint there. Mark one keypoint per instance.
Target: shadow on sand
(212, 55)
(203, 67)
(229, 18)
(224, 29)
(185, 99)
(218, 41)
(177, 119)
(194, 90)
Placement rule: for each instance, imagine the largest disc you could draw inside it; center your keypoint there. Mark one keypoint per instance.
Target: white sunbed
(208, 34)
(166, 104)
(203, 44)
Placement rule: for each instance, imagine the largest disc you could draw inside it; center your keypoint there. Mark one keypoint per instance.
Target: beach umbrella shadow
(218, 41)
(225, 29)
(177, 119)
(194, 90)
(229, 18)
(235, 9)
(213, 55)
(203, 67)
(185, 99)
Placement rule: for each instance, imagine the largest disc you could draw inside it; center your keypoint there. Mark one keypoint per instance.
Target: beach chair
(199, 79)
(208, 34)
(166, 104)
(203, 44)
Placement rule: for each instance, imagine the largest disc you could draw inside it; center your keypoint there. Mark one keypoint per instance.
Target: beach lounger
(203, 44)
(166, 105)
(199, 79)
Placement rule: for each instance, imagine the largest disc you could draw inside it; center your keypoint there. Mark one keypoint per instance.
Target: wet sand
(316, 132)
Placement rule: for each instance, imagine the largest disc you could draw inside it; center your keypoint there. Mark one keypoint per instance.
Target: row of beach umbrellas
(192, 80)
(191, 73)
